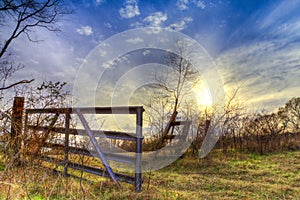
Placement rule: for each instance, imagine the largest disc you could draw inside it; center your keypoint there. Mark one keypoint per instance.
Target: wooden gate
(64, 115)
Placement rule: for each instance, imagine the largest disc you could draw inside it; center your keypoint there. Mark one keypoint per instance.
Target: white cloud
(130, 10)
(80, 60)
(184, 4)
(146, 52)
(123, 59)
(103, 53)
(85, 30)
(104, 44)
(182, 24)
(113, 63)
(36, 62)
(137, 25)
(177, 26)
(135, 40)
(108, 64)
(156, 19)
(99, 2)
(188, 19)
(199, 4)
(107, 25)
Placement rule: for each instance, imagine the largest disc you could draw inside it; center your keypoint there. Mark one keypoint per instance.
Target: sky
(254, 44)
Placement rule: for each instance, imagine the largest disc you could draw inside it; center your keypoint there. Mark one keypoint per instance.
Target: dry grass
(219, 176)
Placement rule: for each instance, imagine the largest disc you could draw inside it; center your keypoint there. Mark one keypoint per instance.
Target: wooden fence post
(16, 127)
(67, 138)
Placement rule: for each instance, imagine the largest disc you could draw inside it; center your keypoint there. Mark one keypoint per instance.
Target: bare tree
(176, 82)
(172, 89)
(22, 17)
(290, 114)
(30, 14)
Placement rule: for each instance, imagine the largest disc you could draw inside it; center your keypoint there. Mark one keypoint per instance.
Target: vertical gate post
(67, 135)
(139, 140)
(16, 126)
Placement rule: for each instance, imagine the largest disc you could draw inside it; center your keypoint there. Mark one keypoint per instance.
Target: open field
(219, 176)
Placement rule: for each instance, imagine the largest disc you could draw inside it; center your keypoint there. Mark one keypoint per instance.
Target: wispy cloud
(130, 9)
(286, 9)
(85, 30)
(180, 25)
(199, 4)
(268, 65)
(184, 4)
(99, 2)
(137, 25)
(156, 19)
(107, 25)
(108, 64)
(269, 70)
(146, 52)
(135, 40)
(112, 63)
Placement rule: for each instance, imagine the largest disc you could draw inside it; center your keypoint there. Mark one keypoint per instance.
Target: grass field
(219, 176)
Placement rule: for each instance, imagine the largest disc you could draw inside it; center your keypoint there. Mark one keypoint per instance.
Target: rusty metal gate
(66, 130)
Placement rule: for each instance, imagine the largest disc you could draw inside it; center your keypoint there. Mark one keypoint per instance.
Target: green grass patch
(219, 176)
(2, 166)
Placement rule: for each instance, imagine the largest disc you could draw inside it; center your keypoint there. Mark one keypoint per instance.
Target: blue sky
(255, 43)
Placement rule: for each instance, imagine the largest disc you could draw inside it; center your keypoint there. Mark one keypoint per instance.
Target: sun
(202, 95)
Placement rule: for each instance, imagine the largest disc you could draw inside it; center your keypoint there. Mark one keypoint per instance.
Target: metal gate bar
(97, 148)
(139, 150)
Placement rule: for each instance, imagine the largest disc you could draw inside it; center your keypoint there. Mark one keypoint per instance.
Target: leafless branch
(30, 14)
(17, 83)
